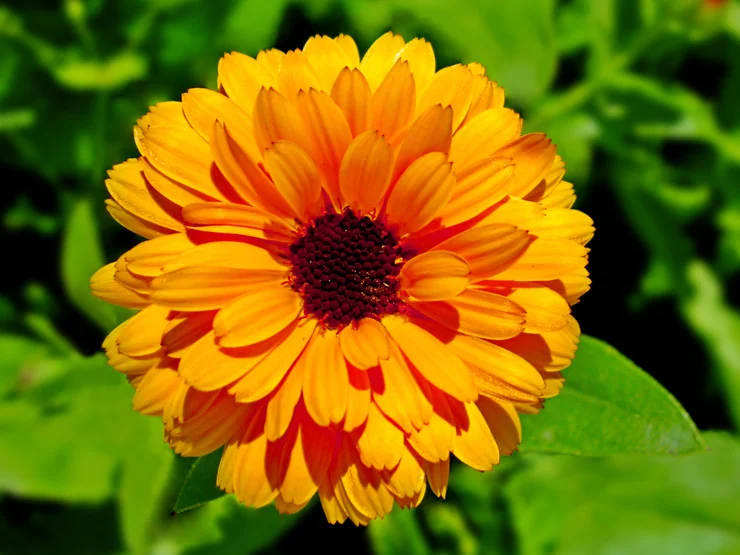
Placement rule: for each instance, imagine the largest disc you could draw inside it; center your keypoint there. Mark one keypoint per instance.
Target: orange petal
(475, 446)
(184, 330)
(154, 390)
(358, 400)
(435, 440)
(277, 119)
(393, 103)
(435, 275)
(365, 345)
(431, 132)
(296, 74)
(350, 48)
(504, 423)
(497, 362)
(431, 358)
(381, 443)
(438, 475)
(481, 186)
(143, 334)
(170, 189)
(229, 254)
(398, 394)
(281, 407)
(365, 172)
(330, 135)
(545, 310)
(408, 478)
(247, 178)
(265, 376)
(352, 94)
(325, 382)
(296, 177)
(262, 224)
(545, 259)
(490, 96)
(487, 249)
(251, 484)
(451, 86)
(420, 193)
(242, 77)
(133, 223)
(477, 313)
(483, 136)
(563, 223)
(206, 288)
(380, 57)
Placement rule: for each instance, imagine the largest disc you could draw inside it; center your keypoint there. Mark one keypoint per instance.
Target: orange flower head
(353, 268)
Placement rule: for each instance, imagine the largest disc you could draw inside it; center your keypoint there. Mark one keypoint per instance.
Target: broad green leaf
(609, 406)
(398, 533)
(81, 257)
(200, 483)
(20, 358)
(112, 74)
(636, 505)
(521, 57)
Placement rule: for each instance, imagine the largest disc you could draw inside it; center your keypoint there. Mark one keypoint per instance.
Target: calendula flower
(354, 268)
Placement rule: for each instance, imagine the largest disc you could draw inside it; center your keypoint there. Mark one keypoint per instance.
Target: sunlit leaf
(608, 407)
(81, 257)
(635, 505)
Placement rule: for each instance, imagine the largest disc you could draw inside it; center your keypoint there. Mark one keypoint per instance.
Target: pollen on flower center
(346, 269)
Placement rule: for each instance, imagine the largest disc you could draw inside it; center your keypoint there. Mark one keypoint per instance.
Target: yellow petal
(487, 249)
(296, 177)
(242, 78)
(203, 107)
(431, 132)
(143, 334)
(533, 156)
(330, 135)
(420, 193)
(481, 186)
(247, 178)
(257, 315)
(184, 330)
(475, 446)
(358, 399)
(381, 443)
(483, 136)
(133, 223)
(477, 313)
(380, 57)
(365, 345)
(365, 172)
(545, 310)
(206, 288)
(504, 423)
(328, 58)
(296, 74)
(452, 86)
(497, 362)
(250, 477)
(208, 367)
(263, 224)
(438, 475)
(265, 376)
(435, 440)
(352, 94)
(545, 259)
(431, 358)
(408, 478)
(435, 275)
(350, 48)
(270, 60)
(563, 223)
(490, 96)
(148, 258)
(163, 113)
(325, 382)
(420, 56)
(103, 285)
(154, 390)
(398, 394)
(173, 191)
(128, 188)
(392, 106)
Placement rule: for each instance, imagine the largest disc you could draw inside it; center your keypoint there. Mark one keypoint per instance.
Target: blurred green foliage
(641, 97)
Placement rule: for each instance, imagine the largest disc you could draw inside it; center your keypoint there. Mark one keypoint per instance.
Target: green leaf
(521, 57)
(252, 26)
(398, 533)
(636, 505)
(81, 257)
(112, 74)
(200, 483)
(574, 134)
(607, 407)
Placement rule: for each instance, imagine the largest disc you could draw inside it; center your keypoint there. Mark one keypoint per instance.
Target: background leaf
(609, 406)
(199, 486)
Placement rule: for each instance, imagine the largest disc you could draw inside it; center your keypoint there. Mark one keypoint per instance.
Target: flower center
(345, 269)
